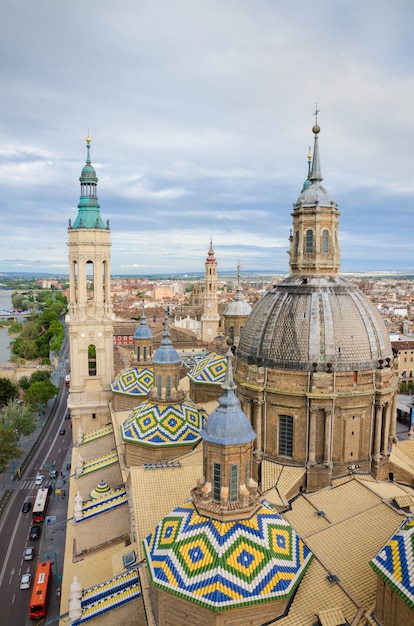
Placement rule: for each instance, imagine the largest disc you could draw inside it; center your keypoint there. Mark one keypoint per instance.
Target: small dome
(160, 425)
(166, 353)
(143, 331)
(102, 489)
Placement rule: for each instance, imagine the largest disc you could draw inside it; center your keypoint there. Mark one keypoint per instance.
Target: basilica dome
(315, 319)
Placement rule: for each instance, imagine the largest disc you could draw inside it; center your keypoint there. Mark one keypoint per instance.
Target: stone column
(378, 429)
(257, 426)
(393, 424)
(327, 438)
(386, 434)
(312, 436)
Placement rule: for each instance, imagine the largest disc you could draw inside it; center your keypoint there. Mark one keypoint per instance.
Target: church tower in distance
(89, 318)
(210, 318)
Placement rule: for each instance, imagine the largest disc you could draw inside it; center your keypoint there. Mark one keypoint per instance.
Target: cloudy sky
(200, 114)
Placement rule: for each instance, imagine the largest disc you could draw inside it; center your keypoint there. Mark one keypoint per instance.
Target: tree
(18, 417)
(9, 448)
(23, 383)
(39, 393)
(39, 376)
(8, 390)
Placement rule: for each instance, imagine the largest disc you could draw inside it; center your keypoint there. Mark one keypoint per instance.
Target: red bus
(40, 591)
(40, 505)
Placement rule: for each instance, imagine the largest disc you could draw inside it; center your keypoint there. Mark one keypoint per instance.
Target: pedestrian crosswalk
(26, 484)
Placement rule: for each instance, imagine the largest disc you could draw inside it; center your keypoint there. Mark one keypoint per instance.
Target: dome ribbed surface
(315, 319)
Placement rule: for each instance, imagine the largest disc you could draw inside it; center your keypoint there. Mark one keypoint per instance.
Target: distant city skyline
(200, 116)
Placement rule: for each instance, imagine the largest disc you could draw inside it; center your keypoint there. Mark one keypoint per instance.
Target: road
(53, 451)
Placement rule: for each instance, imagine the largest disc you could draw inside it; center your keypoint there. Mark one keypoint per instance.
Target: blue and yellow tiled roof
(133, 381)
(226, 564)
(210, 370)
(395, 562)
(163, 424)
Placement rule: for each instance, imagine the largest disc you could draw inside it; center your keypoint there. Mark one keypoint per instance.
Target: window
(168, 382)
(216, 481)
(231, 333)
(285, 435)
(309, 241)
(138, 353)
(234, 483)
(296, 242)
(159, 384)
(92, 360)
(325, 242)
(145, 352)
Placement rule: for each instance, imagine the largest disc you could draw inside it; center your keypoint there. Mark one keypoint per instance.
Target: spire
(166, 352)
(211, 257)
(88, 215)
(228, 424)
(307, 182)
(143, 331)
(314, 244)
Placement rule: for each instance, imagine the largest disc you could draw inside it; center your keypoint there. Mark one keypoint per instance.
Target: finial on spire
(316, 127)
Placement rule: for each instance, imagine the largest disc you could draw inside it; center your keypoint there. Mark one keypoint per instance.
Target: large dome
(315, 319)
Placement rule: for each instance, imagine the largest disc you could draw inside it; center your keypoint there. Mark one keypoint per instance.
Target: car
(28, 554)
(62, 431)
(53, 473)
(34, 533)
(25, 581)
(39, 479)
(26, 507)
(67, 416)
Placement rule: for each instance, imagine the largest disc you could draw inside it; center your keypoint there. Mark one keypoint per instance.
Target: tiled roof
(226, 564)
(97, 434)
(344, 527)
(278, 481)
(163, 424)
(109, 501)
(109, 595)
(133, 381)
(98, 463)
(210, 370)
(395, 562)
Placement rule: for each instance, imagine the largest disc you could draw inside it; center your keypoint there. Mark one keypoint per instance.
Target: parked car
(26, 507)
(28, 554)
(39, 479)
(53, 473)
(25, 581)
(62, 431)
(34, 533)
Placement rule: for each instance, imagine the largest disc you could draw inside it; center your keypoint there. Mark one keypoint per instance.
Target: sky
(200, 114)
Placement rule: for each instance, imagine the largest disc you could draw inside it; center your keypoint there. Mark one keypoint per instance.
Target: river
(5, 304)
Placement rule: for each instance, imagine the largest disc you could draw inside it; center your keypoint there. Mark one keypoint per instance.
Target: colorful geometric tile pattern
(133, 381)
(210, 370)
(163, 424)
(395, 562)
(96, 434)
(109, 595)
(110, 501)
(224, 565)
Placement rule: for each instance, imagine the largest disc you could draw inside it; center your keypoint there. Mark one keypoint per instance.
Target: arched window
(309, 241)
(296, 242)
(168, 385)
(325, 242)
(231, 333)
(285, 435)
(92, 360)
(138, 353)
(145, 353)
(159, 384)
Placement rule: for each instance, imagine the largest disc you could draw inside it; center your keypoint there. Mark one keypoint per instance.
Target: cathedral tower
(89, 317)
(210, 318)
(314, 362)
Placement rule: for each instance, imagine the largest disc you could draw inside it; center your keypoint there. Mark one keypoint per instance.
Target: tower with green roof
(89, 318)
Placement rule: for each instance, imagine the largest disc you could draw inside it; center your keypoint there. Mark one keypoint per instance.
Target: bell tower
(89, 318)
(210, 318)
